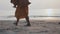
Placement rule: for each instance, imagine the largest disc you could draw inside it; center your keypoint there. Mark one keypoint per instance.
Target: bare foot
(15, 24)
(28, 25)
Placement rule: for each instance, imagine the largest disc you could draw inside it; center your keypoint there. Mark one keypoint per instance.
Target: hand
(14, 6)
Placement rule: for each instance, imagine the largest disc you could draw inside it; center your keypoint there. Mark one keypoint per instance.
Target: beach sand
(37, 27)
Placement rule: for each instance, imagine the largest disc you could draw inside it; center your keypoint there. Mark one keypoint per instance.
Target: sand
(37, 27)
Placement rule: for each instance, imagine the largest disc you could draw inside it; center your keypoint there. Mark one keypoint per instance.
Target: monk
(22, 11)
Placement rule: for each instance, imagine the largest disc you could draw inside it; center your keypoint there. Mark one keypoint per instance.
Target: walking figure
(21, 10)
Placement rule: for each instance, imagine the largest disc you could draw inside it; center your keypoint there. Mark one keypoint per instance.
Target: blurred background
(37, 8)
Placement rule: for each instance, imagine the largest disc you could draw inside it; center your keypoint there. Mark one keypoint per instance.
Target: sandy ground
(37, 27)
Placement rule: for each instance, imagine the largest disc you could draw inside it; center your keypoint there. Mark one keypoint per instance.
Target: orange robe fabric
(21, 12)
(22, 8)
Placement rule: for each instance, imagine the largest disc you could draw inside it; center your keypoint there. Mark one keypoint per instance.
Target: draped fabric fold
(21, 9)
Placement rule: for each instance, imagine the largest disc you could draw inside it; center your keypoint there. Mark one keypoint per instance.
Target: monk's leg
(28, 22)
(17, 22)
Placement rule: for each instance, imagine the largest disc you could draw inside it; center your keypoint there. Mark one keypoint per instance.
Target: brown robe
(21, 12)
(22, 9)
